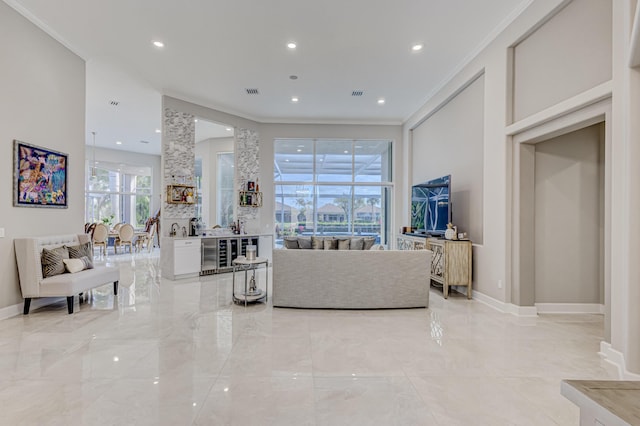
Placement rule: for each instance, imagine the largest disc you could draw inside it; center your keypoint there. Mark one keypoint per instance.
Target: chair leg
(27, 306)
(70, 304)
(115, 288)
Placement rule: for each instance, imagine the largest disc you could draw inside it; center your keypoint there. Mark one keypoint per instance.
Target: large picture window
(332, 187)
(118, 193)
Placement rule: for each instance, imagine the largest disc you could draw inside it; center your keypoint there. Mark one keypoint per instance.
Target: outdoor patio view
(332, 187)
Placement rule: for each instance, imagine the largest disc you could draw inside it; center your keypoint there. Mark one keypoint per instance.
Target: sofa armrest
(29, 266)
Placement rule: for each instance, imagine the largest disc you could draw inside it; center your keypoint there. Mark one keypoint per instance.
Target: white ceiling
(215, 50)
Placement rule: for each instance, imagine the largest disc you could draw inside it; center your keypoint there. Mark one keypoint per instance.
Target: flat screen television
(431, 206)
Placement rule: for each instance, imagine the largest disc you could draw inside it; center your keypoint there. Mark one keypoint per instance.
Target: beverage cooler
(219, 252)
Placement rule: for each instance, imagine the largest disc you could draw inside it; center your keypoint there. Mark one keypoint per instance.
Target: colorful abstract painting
(40, 177)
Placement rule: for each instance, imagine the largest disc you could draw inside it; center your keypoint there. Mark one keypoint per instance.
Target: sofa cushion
(291, 242)
(357, 243)
(77, 265)
(52, 261)
(77, 252)
(369, 242)
(304, 243)
(317, 243)
(330, 244)
(344, 243)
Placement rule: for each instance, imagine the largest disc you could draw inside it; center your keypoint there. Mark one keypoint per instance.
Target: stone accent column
(247, 153)
(178, 161)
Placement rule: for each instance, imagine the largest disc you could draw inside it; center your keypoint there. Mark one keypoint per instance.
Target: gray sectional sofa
(350, 279)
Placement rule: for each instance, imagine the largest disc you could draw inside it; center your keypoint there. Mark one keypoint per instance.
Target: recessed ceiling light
(292, 45)
(381, 101)
(294, 99)
(229, 129)
(299, 150)
(417, 47)
(346, 152)
(286, 160)
(158, 43)
(158, 131)
(195, 120)
(118, 142)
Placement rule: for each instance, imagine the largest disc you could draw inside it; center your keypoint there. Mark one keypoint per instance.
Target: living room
(543, 77)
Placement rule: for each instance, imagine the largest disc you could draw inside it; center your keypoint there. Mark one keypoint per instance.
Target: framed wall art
(181, 194)
(40, 176)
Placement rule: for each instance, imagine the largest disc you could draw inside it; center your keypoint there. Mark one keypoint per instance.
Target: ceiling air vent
(252, 91)
(114, 103)
(357, 93)
(144, 141)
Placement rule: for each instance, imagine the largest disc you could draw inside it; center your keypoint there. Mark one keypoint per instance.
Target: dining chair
(146, 239)
(101, 236)
(125, 237)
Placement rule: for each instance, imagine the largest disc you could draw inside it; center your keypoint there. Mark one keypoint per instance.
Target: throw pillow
(317, 243)
(343, 243)
(52, 261)
(291, 243)
(357, 243)
(77, 265)
(369, 242)
(304, 243)
(330, 244)
(76, 252)
(377, 247)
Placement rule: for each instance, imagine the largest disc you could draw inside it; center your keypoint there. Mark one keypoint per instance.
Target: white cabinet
(186, 257)
(180, 257)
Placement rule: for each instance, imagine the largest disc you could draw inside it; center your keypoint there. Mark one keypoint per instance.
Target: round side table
(251, 291)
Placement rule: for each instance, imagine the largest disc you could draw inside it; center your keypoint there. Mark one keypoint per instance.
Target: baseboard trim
(14, 310)
(507, 308)
(616, 358)
(570, 308)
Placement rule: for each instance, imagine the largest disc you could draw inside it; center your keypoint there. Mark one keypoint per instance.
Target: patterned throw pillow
(317, 243)
(76, 252)
(52, 261)
(357, 243)
(369, 242)
(344, 243)
(291, 242)
(304, 243)
(77, 265)
(330, 244)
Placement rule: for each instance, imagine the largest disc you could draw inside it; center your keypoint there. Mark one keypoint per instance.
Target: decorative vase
(450, 233)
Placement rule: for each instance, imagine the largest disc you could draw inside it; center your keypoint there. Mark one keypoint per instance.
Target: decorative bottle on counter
(450, 233)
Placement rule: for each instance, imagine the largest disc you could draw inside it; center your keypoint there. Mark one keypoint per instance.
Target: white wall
(568, 175)
(454, 133)
(42, 103)
(579, 60)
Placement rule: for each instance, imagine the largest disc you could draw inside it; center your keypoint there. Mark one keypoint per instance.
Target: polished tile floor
(181, 353)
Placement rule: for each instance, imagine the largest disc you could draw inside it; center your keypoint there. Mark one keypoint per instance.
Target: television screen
(431, 206)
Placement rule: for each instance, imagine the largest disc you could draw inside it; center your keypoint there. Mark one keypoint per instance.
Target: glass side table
(251, 291)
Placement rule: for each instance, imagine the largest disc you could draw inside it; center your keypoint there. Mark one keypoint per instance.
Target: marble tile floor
(181, 353)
